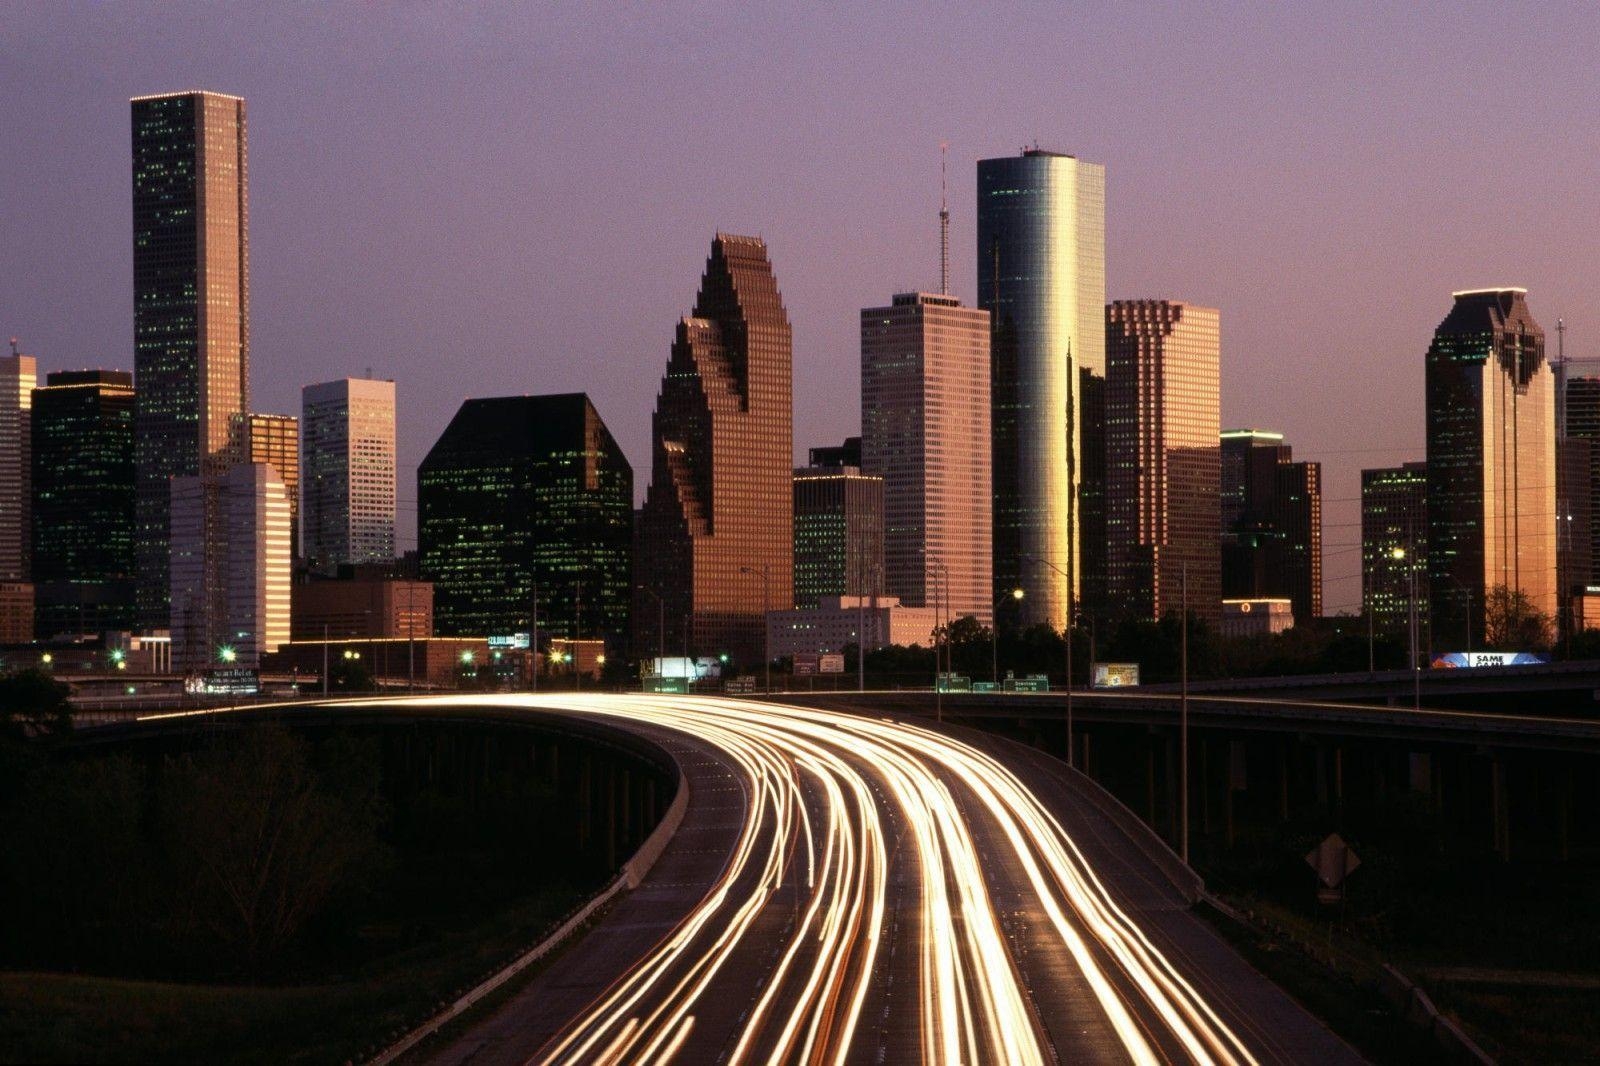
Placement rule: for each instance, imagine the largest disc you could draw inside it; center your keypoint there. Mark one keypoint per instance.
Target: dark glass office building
(716, 533)
(1272, 522)
(1394, 545)
(838, 533)
(1041, 275)
(83, 502)
(191, 308)
(526, 495)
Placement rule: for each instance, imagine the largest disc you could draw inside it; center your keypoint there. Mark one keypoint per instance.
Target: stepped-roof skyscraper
(716, 529)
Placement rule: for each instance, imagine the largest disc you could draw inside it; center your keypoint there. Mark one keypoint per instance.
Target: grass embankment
(47, 1017)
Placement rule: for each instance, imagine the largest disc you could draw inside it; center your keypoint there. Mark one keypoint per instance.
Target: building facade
(1163, 462)
(275, 441)
(18, 376)
(230, 568)
(925, 421)
(348, 509)
(838, 534)
(1394, 545)
(1041, 276)
(362, 606)
(1579, 486)
(83, 502)
(525, 503)
(1491, 462)
(1272, 532)
(716, 533)
(191, 307)
(839, 622)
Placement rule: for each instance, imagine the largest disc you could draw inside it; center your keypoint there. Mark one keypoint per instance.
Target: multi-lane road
(853, 889)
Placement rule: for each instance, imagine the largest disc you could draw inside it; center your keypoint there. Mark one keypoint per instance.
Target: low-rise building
(362, 605)
(1260, 617)
(840, 621)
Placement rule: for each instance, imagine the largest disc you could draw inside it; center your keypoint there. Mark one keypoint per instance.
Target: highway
(856, 889)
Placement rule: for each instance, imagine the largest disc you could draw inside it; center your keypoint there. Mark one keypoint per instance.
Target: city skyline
(1209, 208)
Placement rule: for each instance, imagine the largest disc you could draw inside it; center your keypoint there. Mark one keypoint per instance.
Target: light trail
(830, 798)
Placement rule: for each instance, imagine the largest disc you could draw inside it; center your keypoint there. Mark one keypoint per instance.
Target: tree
(1512, 623)
(32, 703)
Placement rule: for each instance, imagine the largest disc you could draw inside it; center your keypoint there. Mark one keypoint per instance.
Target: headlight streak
(972, 1005)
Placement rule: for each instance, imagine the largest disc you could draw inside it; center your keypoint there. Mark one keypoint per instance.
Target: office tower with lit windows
(1491, 462)
(83, 502)
(18, 376)
(348, 491)
(275, 440)
(716, 532)
(191, 307)
(925, 429)
(527, 499)
(1163, 465)
(1394, 545)
(1581, 534)
(1272, 522)
(838, 533)
(230, 567)
(1041, 275)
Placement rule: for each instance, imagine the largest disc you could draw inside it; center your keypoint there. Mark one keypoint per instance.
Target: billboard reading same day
(1454, 660)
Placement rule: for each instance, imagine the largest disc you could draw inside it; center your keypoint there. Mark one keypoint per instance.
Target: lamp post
(1015, 595)
(1067, 634)
(1183, 711)
(661, 629)
(766, 607)
(941, 636)
(533, 636)
(1402, 554)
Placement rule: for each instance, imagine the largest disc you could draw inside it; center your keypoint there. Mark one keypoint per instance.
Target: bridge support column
(1205, 788)
(1150, 781)
(1283, 781)
(585, 800)
(611, 815)
(1499, 797)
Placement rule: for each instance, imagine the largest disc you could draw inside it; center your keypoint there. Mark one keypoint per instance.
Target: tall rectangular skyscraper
(18, 376)
(716, 530)
(1163, 462)
(838, 533)
(925, 429)
(83, 502)
(348, 509)
(1272, 522)
(191, 307)
(1491, 462)
(1041, 275)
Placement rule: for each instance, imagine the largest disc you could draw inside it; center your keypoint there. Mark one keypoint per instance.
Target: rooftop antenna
(14, 349)
(1561, 377)
(944, 222)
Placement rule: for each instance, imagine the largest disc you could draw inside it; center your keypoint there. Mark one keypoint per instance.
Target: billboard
(1455, 660)
(509, 642)
(1116, 675)
(680, 666)
(832, 663)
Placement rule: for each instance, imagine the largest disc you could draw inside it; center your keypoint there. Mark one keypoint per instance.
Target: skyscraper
(349, 488)
(1041, 275)
(191, 307)
(1581, 534)
(1491, 461)
(1163, 467)
(716, 530)
(526, 496)
(83, 502)
(1273, 545)
(1394, 545)
(838, 533)
(925, 423)
(18, 375)
(275, 440)
(230, 567)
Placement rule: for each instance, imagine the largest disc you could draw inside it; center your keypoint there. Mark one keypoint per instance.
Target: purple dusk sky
(479, 203)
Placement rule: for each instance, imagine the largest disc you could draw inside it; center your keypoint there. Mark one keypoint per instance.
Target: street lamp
(941, 635)
(1067, 641)
(227, 654)
(1399, 554)
(1016, 596)
(766, 606)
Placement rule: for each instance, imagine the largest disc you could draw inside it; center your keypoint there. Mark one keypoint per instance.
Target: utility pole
(1183, 715)
(533, 636)
(577, 632)
(324, 660)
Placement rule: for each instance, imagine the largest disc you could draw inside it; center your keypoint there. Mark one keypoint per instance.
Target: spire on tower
(944, 223)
